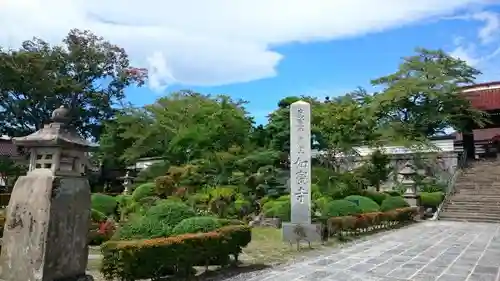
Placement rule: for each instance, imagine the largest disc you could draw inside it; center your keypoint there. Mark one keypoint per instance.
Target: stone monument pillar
(300, 227)
(48, 216)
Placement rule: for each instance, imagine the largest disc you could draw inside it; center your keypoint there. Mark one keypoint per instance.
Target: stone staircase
(477, 196)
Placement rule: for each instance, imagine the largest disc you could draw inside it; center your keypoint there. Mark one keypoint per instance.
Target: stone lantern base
(412, 199)
(45, 234)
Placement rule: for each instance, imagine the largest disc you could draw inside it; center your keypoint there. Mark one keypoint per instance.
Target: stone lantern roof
(407, 170)
(57, 133)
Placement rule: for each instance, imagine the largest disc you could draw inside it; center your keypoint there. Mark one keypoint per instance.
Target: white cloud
(212, 42)
(481, 52)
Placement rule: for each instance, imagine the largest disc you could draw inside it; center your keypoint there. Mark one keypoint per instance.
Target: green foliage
(170, 213)
(378, 197)
(153, 171)
(144, 190)
(85, 73)
(196, 224)
(103, 203)
(432, 187)
(392, 203)
(279, 209)
(143, 228)
(431, 199)
(172, 256)
(322, 202)
(366, 204)
(97, 216)
(339, 208)
(377, 170)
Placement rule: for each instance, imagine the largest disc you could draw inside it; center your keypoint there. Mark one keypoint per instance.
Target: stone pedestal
(412, 199)
(45, 234)
(296, 232)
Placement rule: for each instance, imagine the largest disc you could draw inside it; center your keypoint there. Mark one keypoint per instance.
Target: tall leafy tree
(423, 97)
(85, 73)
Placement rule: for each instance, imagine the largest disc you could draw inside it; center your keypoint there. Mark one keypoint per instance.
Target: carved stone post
(48, 216)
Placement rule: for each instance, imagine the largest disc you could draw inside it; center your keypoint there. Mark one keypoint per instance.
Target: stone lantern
(48, 216)
(407, 175)
(127, 182)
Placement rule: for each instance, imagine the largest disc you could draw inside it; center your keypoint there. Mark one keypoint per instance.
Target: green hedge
(196, 224)
(431, 199)
(103, 203)
(170, 212)
(155, 258)
(143, 228)
(378, 197)
(393, 202)
(339, 208)
(366, 204)
(144, 190)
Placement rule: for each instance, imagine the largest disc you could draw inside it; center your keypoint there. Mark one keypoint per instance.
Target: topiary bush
(378, 197)
(339, 208)
(431, 199)
(393, 202)
(143, 228)
(279, 209)
(170, 212)
(144, 190)
(366, 204)
(97, 216)
(196, 224)
(322, 202)
(104, 203)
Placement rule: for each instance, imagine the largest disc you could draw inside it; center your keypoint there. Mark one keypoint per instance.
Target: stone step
(469, 216)
(472, 209)
(473, 204)
(470, 220)
(478, 192)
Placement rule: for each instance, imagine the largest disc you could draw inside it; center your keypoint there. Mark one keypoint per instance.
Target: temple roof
(484, 96)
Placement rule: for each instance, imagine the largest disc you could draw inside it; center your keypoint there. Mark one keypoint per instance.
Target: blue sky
(337, 66)
(264, 50)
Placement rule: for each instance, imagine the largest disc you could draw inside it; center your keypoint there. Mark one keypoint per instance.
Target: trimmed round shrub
(143, 191)
(97, 216)
(393, 202)
(226, 222)
(170, 212)
(340, 208)
(104, 203)
(280, 209)
(366, 204)
(196, 224)
(322, 202)
(431, 199)
(392, 193)
(143, 228)
(284, 198)
(378, 197)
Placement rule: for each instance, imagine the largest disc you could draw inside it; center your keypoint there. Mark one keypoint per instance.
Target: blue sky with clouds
(262, 51)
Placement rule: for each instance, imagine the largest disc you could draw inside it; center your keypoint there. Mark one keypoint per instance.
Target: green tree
(377, 169)
(85, 73)
(184, 126)
(423, 97)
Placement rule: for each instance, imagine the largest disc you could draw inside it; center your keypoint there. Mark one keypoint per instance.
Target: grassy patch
(267, 247)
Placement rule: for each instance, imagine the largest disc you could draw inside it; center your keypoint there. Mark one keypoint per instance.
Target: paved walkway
(429, 251)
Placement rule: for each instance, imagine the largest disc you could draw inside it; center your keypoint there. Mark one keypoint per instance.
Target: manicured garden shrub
(101, 232)
(322, 202)
(196, 224)
(125, 260)
(378, 197)
(143, 228)
(226, 222)
(96, 216)
(284, 198)
(279, 209)
(356, 224)
(340, 208)
(170, 212)
(393, 193)
(144, 190)
(104, 203)
(431, 200)
(393, 202)
(366, 204)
